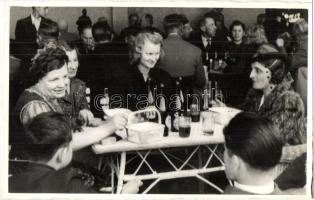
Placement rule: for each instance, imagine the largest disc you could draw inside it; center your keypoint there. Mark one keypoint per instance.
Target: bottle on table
(175, 114)
(104, 101)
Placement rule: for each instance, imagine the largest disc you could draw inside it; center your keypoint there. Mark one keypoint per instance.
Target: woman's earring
(268, 77)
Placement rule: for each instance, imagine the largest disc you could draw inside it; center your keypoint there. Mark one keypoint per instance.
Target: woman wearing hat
(272, 96)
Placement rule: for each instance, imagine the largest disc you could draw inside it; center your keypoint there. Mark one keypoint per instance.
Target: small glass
(208, 123)
(184, 126)
(195, 113)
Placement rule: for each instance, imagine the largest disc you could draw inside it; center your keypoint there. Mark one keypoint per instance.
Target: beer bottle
(150, 96)
(87, 93)
(162, 108)
(104, 101)
(178, 107)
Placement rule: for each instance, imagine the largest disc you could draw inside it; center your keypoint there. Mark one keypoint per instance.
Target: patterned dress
(284, 107)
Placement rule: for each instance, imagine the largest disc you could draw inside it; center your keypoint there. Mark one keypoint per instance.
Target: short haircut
(45, 134)
(101, 31)
(256, 140)
(149, 17)
(47, 60)
(49, 29)
(172, 21)
(236, 23)
(184, 19)
(208, 15)
(133, 15)
(83, 27)
(69, 46)
(143, 36)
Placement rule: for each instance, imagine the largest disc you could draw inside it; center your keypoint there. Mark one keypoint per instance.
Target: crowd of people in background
(266, 68)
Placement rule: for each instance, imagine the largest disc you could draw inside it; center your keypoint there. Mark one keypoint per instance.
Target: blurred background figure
(255, 37)
(83, 21)
(187, 28)
(64, 34)
(181, 58)
(147, 21)
(85, 46)
(134, 23)
(238, 60)
(26, 34)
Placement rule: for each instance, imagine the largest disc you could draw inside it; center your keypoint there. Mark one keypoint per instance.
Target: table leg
(121, 172)
(201, 185)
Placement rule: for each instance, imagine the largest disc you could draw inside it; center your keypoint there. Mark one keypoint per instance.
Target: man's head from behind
(47, 32)
(173, 23)
(101, 32)
(252, 146)
(48, 139)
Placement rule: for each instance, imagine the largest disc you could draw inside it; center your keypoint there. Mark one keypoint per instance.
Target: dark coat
(182, 59)
(284, 107)
(30, 177)
(139, 87)
(218, 45)
(25, 37)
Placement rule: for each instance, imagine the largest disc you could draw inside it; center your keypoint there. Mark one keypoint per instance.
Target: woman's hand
(217, 103)
(132, 187)
(87, 116)
(118, 121)
(280, 42)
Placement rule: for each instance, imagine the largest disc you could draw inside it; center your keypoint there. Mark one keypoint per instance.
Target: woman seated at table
(74, 103)
(272, 95)
(50, 70)
(238, 64)
(143, 74)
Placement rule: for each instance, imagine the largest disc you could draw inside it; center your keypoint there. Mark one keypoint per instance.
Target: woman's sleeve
(32, 109)
(288, 114)
(84, 104)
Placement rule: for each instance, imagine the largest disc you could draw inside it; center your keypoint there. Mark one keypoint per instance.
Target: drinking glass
(208, 123)
(184, 126)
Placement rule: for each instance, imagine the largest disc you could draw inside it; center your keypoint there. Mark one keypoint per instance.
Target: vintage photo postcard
(156, 99)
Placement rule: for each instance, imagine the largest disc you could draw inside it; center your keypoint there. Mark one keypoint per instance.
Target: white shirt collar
(36, 21)
(204, 40)
(173, 34)
(264, 189)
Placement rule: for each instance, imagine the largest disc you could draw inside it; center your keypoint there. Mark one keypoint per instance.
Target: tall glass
(184, 126)
(208, 123)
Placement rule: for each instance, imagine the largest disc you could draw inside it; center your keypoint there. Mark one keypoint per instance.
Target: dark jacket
(30, 177)
(139, 88)
(183, 59)
(25, 38)
(284, 107)
(218, 45)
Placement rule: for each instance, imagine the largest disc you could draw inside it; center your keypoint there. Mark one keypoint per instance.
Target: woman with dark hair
(50, 70)
(74, 103)
(272, 95)
(238, 60)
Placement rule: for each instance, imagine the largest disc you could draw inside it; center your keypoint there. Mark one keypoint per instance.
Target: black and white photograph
(177, 101)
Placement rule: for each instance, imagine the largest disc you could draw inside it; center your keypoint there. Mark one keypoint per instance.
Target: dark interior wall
(247, 16)
(117, 17)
